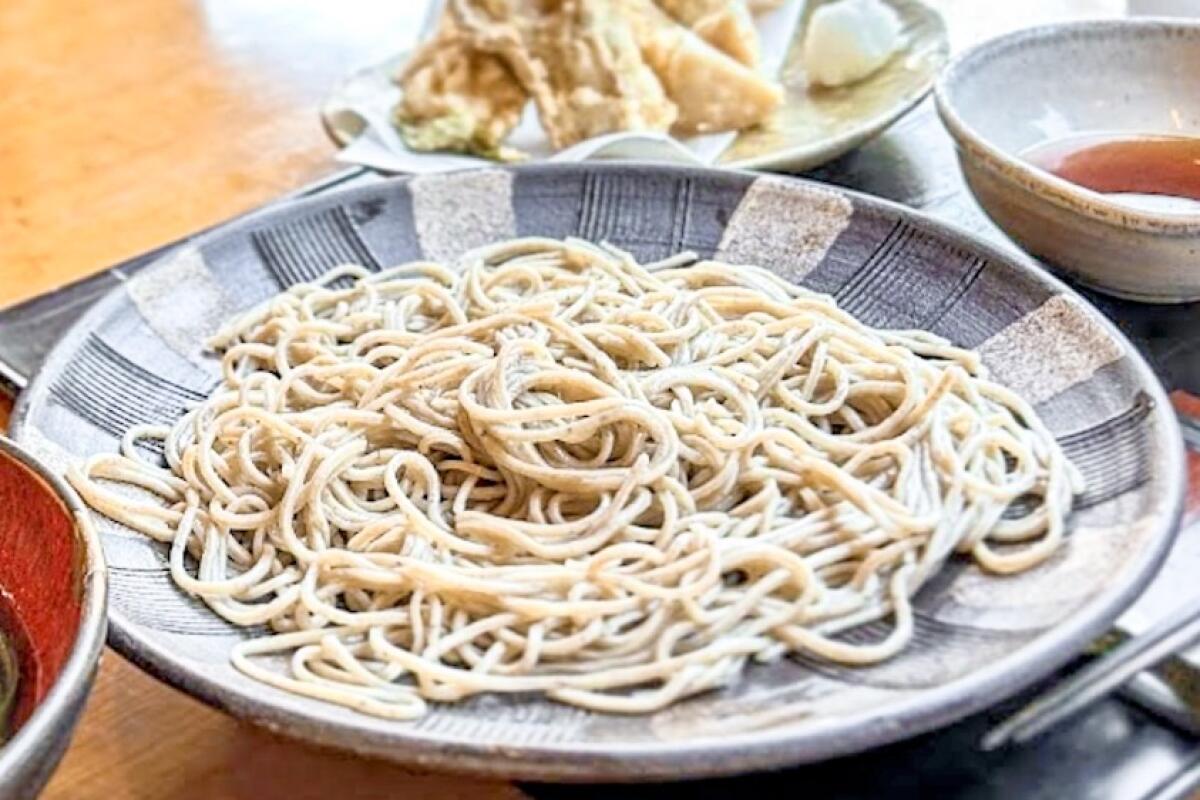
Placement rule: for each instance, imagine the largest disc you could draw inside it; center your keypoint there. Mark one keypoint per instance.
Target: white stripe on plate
(782, 222)
(1049, 350)
(457, 212)
(182, 302)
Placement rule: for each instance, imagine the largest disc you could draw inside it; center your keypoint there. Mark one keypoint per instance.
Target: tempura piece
(591, 67)
(457, 98)
(712, 91)
(725, 24)
(579, 61)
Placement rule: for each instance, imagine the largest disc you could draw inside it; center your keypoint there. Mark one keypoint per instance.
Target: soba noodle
(552, 469)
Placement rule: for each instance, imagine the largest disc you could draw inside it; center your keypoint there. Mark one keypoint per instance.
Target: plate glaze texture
(138, 357)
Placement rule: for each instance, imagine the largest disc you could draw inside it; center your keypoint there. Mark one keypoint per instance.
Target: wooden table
(128, 125)
(131, 124)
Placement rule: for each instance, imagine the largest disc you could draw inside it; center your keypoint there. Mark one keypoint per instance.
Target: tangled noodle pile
(552, 469)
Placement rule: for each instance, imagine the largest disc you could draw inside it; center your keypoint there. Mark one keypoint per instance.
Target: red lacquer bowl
(53, 583)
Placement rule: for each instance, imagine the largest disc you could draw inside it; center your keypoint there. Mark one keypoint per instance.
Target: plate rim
(795, 157)
(710, 756)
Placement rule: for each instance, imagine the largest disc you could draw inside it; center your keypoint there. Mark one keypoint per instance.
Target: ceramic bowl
(53, 576)
(1131, 76)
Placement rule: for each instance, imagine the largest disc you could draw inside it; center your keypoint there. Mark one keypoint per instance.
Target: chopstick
(1099, 678)
(1180, 785)
(1156, 696)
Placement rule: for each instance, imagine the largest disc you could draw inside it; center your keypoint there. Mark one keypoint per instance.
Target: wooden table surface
(130, 124)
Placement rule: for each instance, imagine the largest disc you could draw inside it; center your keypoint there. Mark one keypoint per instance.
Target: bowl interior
(1118, 76)
(42, 563)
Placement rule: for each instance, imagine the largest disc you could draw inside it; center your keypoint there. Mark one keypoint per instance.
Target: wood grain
(140, 740)
(130, 124)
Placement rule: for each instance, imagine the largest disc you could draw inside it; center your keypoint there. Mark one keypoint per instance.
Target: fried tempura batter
(591, 67)
(713, 92)
(458, 98)
(725, 24)
(579, 61)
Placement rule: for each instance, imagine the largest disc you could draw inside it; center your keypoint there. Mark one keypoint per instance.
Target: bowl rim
(22, 753)
(714, 755)
(1045, 185)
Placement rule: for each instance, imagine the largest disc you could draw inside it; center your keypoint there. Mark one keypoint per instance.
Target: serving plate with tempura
(139, 358)
(808, 124)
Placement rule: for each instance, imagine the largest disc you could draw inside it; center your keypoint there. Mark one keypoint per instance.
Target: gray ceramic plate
(137, 357)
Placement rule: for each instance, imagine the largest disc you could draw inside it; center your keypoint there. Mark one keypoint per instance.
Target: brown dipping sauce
(1135, 164)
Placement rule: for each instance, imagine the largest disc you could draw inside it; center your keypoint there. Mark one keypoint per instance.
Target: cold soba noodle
(555, 470)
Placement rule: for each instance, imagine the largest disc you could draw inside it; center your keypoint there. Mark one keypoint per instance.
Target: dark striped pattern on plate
(939, 651)
(895, 272)
(305, 248)
(148, 597)
(881, 292)
(114, 393)
(652, 216)
(604, 214)
(1114, 455)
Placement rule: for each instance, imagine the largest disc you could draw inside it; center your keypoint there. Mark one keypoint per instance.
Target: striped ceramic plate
(137, 357)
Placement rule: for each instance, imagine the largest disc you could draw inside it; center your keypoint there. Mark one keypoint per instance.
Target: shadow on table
(1113, 751)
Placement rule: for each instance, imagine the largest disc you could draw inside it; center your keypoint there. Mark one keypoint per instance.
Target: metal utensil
(1100, 678)
(1179, 786)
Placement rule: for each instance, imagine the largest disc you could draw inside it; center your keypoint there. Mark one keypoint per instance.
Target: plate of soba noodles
(610, 472)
